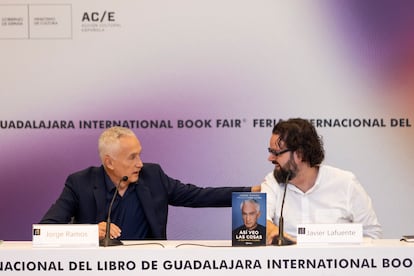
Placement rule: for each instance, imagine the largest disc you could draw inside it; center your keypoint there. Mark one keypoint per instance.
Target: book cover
(248, 219)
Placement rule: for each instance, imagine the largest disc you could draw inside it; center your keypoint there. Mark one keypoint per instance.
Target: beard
(285, 173)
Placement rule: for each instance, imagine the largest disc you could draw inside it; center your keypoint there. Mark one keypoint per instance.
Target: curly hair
(300, 135)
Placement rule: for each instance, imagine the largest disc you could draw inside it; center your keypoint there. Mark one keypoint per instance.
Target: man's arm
(63, 209)
(363, 211)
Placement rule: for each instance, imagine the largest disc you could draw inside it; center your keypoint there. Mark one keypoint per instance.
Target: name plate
(329, 233)
(65, 235)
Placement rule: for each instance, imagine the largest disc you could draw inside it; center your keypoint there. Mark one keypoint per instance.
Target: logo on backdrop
(222, 123)
(99, 21)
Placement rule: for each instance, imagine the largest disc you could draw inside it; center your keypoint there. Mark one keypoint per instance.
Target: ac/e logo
(98, 17)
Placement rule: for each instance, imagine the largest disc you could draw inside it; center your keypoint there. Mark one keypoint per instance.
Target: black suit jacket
(84, 198)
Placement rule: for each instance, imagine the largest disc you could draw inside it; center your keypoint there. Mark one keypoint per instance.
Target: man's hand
(272, 231)
(256, 189)
(114, 232)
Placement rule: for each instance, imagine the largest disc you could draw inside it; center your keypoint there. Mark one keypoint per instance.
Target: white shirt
(336, 197)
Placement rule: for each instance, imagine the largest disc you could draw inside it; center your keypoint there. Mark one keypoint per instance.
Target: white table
(378, 257)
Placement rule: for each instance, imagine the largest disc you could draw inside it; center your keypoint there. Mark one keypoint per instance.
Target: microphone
(107, 241)
(280, 239)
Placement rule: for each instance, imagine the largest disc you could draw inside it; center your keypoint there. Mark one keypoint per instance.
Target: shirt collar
(108, 183)
(314, 187)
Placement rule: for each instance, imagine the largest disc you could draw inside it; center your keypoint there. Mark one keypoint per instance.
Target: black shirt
(127, 212)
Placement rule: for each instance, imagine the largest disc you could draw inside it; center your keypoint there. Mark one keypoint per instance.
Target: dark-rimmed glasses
(277, 153)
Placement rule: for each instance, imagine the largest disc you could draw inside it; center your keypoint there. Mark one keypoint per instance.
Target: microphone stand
(280, 239)
(107, 241)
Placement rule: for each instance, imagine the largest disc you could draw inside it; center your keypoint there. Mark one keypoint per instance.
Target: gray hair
(252, 201)
(108, 142)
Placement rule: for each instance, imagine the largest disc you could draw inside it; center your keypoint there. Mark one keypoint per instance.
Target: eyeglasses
(277, 153)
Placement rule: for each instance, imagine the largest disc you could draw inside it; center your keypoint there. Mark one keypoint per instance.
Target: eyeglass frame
(278, 153)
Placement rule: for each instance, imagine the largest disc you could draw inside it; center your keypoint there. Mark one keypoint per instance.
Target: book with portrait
(248, 219)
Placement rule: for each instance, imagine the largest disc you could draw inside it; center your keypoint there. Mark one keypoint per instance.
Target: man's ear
(108, 162)
(299, 154)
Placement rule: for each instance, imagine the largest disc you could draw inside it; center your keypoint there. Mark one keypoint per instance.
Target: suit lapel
(99, 192)
(144, 195)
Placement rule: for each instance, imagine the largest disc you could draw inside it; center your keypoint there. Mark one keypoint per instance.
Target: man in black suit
(140, 209)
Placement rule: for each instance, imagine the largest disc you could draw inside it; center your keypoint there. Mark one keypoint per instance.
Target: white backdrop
(84, 61)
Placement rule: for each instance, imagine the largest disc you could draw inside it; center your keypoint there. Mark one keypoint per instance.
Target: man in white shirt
(316, 193)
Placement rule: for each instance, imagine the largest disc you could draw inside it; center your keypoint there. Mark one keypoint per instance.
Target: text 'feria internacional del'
(198, 123)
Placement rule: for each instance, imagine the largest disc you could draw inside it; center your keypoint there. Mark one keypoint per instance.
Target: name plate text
(329, 233)
(65, 235)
